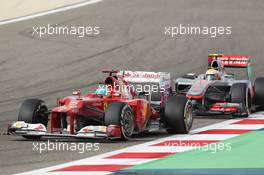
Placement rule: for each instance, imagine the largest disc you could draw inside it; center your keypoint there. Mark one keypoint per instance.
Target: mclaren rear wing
(234, 61)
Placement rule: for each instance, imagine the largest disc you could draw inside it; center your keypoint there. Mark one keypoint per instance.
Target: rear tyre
(259, 92)
(33, 111)
(178, 115)
(121, 114)
(240, 94)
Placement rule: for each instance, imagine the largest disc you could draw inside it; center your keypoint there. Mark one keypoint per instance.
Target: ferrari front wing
(22, 128)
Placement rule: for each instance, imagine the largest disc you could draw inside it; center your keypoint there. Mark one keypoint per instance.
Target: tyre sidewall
(115, 114)
(124, 110)
(240, 94)
(259, 93)
(174, 115)
(28, 112)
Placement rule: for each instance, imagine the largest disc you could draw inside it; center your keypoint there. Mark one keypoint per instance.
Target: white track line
(203, 137)
(162, 149)
(242, 126)
(115, 161)
(56, 10)
(79, 173)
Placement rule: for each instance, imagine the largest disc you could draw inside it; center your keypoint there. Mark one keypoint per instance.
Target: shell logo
(145, 110)
(105, 105)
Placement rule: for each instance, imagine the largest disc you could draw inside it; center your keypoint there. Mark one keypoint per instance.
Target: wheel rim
(127, 124)
(188, 119)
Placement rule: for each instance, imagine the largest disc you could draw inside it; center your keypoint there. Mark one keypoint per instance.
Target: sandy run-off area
(18, 8)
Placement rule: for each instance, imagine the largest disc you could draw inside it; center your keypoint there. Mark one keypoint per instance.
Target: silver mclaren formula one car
(219, 90)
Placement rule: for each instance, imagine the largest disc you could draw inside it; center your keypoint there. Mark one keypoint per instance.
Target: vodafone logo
(235, 60)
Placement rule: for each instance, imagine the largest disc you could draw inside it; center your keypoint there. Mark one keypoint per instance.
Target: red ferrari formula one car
(124, 104)
(218, 91)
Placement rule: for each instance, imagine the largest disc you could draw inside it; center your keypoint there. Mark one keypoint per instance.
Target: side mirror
(143, 95)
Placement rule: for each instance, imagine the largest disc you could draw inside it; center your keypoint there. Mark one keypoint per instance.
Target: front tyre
(259, 93)
(240, 94)
(121, 114)
(178, 116)
(33, 111)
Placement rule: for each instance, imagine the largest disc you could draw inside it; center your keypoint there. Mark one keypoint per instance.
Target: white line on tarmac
(60, 9)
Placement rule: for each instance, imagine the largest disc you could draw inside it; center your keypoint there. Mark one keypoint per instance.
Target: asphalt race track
(132, 37)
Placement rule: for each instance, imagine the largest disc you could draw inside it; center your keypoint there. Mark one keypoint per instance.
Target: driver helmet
(212, 74)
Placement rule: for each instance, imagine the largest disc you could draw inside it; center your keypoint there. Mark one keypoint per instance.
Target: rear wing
(138, 77)
(234, 61)
(162, 79)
